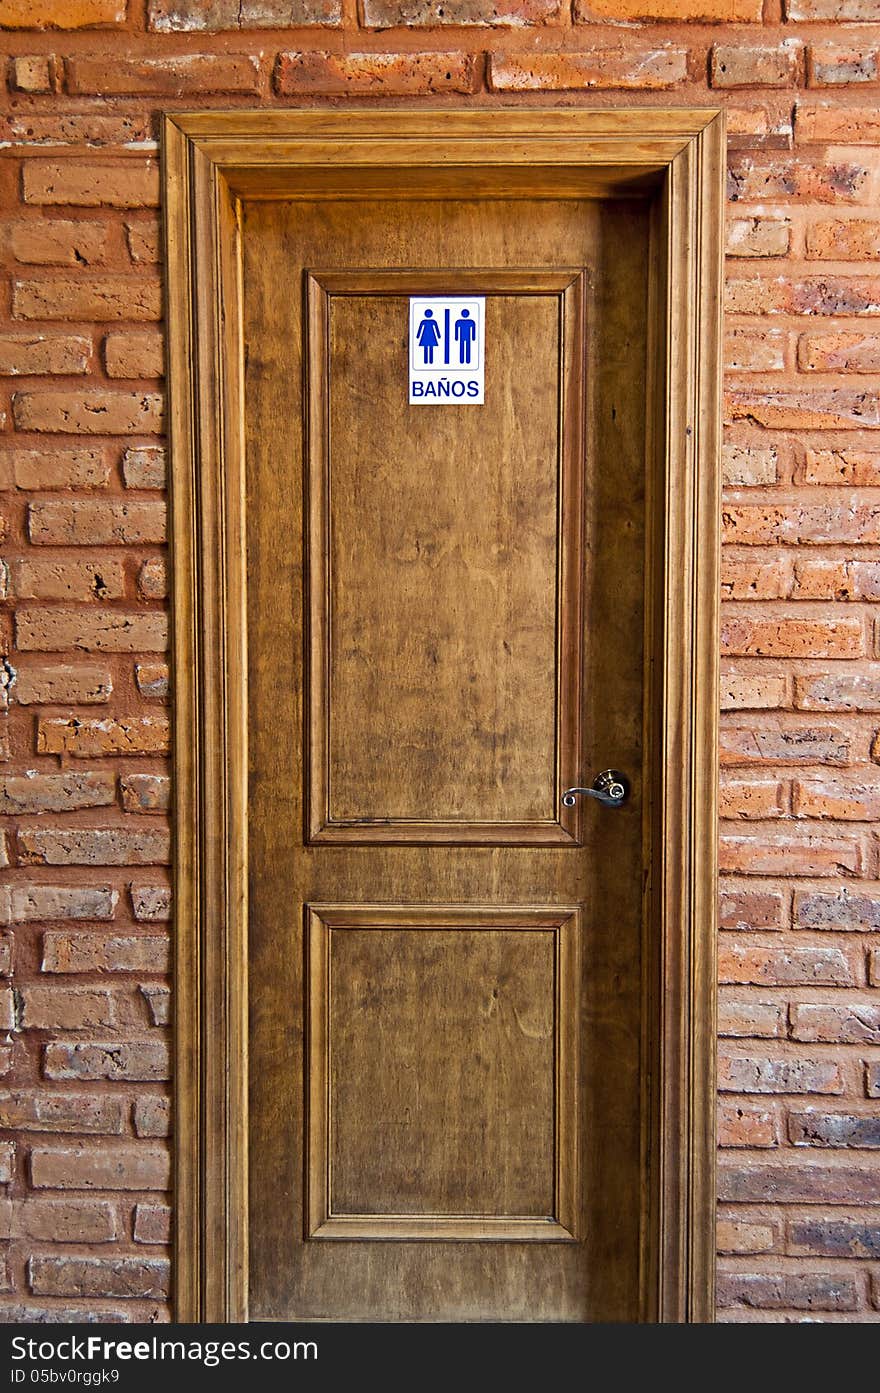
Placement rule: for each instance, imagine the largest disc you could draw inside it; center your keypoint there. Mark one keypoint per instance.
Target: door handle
(611, 788)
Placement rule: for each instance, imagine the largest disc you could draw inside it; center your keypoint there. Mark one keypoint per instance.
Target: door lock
(611, 788)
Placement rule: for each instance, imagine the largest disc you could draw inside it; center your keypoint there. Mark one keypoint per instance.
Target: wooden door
(446, 619)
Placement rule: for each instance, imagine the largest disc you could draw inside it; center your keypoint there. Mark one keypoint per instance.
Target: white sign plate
(447, 350)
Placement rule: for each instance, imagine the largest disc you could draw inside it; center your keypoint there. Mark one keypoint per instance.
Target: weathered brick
(839, 352)
(96, 522)
(782, 637)
(795, 1291)
(718, 11)
(158, 999)
(874, 967)
(116, 1276)
(57, 242)
(745, 466)
(41, 1111)
(7, 953)
(103, 299)
(67, 580)
(134, 355)
(781, 178)
(48, 903)
(835, 1238)
(748, 963)
(735, 1235)
(857, 1023)
(128, 735)
(104, 631)
(845, 802)
(153, 579)
(821, 524)
(872, 1079)
(81, 129)
(741, 1074)
(94, 412)
(63, 1314)
(144, 467)
(755, 350)
(66, 1008)
(151, 903)
(746, 911)
(152, 1115)
(799, 1183)
(373, 74)
(837, 580)
(101, 952)
(826, 122)
(62, 684)
(745, 1124)
(834, 409)
(59, 1221)
(760, 1020)
(144, 241)
(93, 846)
(755, 65)
(128, 184)
(61, 14)
(774, 856)
(144, 793)
(152, 1223)
(766, 126)
(33, 355)
(41, 793)
(806, 295)
(752, 692)
(843, 239)
(752, 798)
(54, 469)
(815, 1128)
(785, 745)
(833, 64)
(857, 691)
(175, 75)
(757, 236)
(152, 680)
(840, 910)
(186, 16)
(416, 14)
(126, 1059)
(643, 68)
(753, 578)
(33, 73)
(7, 1162)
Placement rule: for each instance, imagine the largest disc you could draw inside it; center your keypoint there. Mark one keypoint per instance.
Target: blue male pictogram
(428, 336)
(465, 333)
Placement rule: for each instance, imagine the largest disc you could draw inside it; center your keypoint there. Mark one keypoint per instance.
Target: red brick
(644, 69)
(735, 1235)
(853, 1024)
(48, 903)
(373, 74)
(59, 1221)
(752, 798)
(741, 1074)
(857, 691)
(798, 1183)
(755, 65)
(839, 352)
(745, 1124)
(755, 350)
(61, 14)
(94, 412)
(42, 1111)
(152, 1115)
(144, 793)
(134, 355)
(756, 965)
(128, 184)
(54, 469)
(840, 911)
(767, 126)
(102, 952)
(29, 355)
(842, 466)
(96, 522)
(757, 236)
(151, 902)
(123, 1059)
(152, 1223)
(794, 1291)
(742, 636)
(59, 242)
(185, 16)
(717, 11)
(837, 580)
(852, 10)
(752, 578)
(108, 631)
(417, 14)
(774, 856)
(759, 1020)
(62, 684)
(799, 410)
(802, 524)
(40, 793)
(844, 802)
(122, 735)
(144, 467)
(832, 64)
(67, 580)
(144, 241)
(815, 1128)
(93, 846)
(173, 76)
(825, 122)
(152, 680)
(795, 745)
(116, 1276)
(77, 130)
(807, 295)
(107, 298)
(843, 239)
(835, 1238)
(782, 178)
(752, 691)
(153, 579)
(66, 1008)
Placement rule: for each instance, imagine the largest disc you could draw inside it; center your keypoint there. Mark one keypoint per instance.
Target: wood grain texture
(673, 159)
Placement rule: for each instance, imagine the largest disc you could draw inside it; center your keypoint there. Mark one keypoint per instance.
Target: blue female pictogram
(428, 336)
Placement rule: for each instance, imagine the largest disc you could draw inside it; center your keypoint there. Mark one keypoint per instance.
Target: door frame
(212, 161)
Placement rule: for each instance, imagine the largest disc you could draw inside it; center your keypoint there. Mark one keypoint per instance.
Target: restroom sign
(446, 350)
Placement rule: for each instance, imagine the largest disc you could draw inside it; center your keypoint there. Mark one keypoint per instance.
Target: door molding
(211, 162)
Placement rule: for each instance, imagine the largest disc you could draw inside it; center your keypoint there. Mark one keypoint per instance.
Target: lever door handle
(611, 788)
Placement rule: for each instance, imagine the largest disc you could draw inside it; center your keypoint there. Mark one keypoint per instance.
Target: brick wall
(84, 783)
